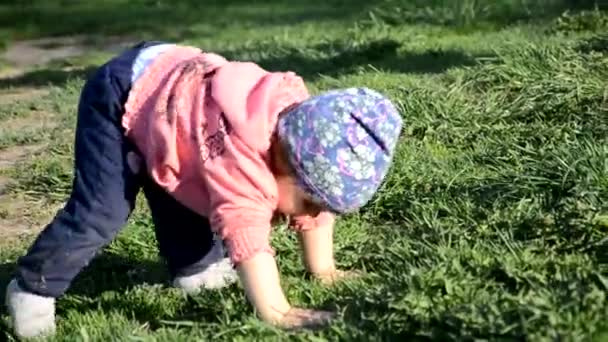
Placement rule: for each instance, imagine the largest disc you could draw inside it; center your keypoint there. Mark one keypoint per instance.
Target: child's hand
(260, 278)
(333, 276)
(297, 318)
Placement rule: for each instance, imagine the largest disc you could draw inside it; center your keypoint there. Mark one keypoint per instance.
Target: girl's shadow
(107, 272)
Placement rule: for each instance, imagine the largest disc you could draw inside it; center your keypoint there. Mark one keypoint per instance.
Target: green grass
(492, 225)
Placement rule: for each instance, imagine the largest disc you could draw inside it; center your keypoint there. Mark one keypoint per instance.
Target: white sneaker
(219, 273)
(32, 315)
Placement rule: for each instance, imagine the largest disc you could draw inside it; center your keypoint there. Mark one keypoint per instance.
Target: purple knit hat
(341, 145)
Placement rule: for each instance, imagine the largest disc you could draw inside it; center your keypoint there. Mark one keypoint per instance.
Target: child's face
(292, 199)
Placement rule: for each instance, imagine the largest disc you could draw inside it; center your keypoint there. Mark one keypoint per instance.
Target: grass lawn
(493, 224)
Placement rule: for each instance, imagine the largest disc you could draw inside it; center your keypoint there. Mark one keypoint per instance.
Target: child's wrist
(306, 222)
(260, 277)
(320, 266)
(317, 249)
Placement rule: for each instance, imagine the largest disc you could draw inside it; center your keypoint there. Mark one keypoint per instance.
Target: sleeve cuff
(306, 222)
(247, 242)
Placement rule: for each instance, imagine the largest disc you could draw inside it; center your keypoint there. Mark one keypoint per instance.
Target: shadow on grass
(107, 272)
(6, 273)
(380, 54)
(45, 77)
(595, 44)
(477, 15)
(111, 284)
(564, 222)
(338, 58)
(185, 18)
(182, 312)
(163, 19)
(110, 272)
(403, 324)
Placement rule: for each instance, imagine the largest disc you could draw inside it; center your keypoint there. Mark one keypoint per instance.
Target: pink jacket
(203, 125)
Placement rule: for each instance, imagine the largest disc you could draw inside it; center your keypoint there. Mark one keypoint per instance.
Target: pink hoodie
(204, 126)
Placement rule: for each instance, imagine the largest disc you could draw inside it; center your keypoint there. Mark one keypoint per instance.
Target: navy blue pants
(103, 195)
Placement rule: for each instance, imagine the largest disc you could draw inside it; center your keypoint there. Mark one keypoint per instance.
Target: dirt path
(19, 215)
(30, 53)
(22, 217)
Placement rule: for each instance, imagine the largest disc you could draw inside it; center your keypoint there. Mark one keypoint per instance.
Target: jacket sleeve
(242, 194)
(242, 189)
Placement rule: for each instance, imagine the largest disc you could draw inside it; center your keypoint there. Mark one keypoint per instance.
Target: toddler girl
(218, 148)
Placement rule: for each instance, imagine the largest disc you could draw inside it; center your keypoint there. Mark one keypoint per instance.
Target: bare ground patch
(21, 94)
(30, 53)
(36, 119)
(20, 215)
(21, 218)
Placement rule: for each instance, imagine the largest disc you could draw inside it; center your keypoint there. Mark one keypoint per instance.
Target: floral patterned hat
(341, 145)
